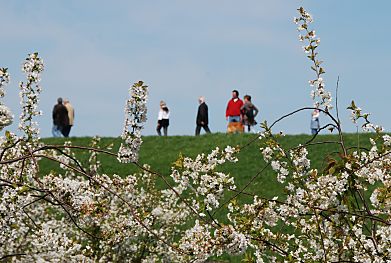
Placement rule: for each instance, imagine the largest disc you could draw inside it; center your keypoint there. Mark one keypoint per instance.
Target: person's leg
(56, 131)
(158, 128)
(206, 128)
(66, 130)
(54, 128)
(234, 119)
(198, 130)
(63, 131)
(165, 128)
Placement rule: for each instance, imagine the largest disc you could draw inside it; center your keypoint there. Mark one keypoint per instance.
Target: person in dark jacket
(202, 117)
(60, 118)
(249, 112)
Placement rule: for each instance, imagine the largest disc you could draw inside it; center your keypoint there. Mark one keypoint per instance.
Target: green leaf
(179, 162)
(23, 189)
(352, 106)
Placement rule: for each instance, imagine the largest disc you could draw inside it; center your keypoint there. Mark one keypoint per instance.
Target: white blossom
(135, 117)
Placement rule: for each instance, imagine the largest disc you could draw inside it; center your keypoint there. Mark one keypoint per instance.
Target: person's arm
(256, 111)
(198, 118)
(206, 119)
(241, 104)
(159, 117)
(65, 116)
(203, 113)
(226, 111)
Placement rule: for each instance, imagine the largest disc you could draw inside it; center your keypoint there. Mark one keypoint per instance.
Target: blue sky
(94, 50)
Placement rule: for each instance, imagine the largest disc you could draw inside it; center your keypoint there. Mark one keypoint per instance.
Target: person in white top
(163, 119)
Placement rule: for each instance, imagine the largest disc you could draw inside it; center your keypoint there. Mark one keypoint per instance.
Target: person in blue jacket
(315, 122)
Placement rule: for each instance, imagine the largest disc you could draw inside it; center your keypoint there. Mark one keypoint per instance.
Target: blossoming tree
(85, 215)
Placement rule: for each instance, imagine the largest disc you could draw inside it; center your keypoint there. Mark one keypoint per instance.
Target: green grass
(161, 152)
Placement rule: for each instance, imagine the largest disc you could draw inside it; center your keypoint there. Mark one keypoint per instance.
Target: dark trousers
(198, 129)
(158, 129)
(66, 130)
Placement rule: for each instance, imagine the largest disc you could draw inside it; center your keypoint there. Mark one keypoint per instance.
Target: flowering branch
(29, 96)
(312, 44)
(136, 116)
(5, 113)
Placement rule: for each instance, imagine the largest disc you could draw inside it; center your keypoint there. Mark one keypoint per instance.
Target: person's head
(163, 106)
(201, 99)
(247, 98)
(235, 94)
(66, 101)
(59, 100)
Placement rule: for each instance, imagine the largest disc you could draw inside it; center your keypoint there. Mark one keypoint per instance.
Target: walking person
(233, 113)
(60, 118)
(71, 117)
(163, 119)
(315, 122)
(249, 111)
(202, 116)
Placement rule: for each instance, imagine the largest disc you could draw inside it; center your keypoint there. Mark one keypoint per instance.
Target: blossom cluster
(357, 114)
(84, 215)
(198, 181)
(328, 208)
(200, 177)
(29, 95)
(135, 117)
(5, 113)
(5, 116)
(200, 242)
(312, 43)
(4, 80)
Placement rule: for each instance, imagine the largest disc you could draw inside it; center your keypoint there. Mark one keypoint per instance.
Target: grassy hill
(161, 152)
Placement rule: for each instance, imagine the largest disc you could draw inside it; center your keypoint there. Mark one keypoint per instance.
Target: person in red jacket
(233, 113)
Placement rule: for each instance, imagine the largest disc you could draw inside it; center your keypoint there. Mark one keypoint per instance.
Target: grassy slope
(161, 152)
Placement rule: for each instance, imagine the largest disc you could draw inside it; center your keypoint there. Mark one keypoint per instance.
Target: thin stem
(336, 101)
(244, 188)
